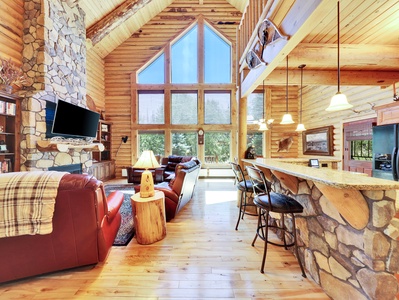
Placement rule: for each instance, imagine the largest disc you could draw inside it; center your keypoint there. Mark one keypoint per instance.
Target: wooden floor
(202, 257)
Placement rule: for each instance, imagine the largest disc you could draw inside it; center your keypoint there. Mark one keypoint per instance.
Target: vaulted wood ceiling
(369, 35)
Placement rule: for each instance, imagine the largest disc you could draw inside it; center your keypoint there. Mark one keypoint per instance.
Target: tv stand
(50, 146)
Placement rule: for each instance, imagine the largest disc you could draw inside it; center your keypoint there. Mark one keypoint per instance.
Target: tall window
(152, 140)
(217, 108)
(191, 98)
(184, 143)
(151, 107)
(217, 58)
(217, 147)
(255, 139)
(184, 58)
(254, 108)
(154, 72)
(184, 108)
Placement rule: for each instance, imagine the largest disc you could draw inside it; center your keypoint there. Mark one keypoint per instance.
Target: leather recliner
(85, 223)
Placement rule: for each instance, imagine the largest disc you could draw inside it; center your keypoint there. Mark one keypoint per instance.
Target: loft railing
(253, 15)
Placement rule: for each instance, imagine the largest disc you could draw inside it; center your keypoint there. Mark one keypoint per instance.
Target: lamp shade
(339, 102)
(147, 160)
(300, 127)
(287, 119)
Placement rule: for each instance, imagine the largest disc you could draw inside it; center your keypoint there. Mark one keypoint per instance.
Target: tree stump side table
(149, 217)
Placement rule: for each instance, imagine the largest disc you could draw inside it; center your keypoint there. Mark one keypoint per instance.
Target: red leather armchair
(85, 224)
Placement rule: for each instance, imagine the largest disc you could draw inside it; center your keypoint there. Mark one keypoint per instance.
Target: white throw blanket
(27, 202)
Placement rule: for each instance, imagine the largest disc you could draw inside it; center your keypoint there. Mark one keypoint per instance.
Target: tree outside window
(151, 107)
(255, 139)
(184, 143)
(152, 140)
(217, 147)
(217, 108)
(184, 108)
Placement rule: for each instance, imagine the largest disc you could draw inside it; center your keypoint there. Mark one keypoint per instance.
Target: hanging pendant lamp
(300, 126)
(287, 118)
(339, 100)
(262, 122)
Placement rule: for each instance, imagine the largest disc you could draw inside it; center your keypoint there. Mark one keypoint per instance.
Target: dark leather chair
(245, 186)
(268, 201)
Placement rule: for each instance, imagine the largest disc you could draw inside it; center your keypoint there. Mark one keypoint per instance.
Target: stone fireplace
(54, 58)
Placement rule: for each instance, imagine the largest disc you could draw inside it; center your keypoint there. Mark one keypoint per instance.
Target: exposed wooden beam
(358, 56)
(119, 15)
(323, 77)
(303, 16)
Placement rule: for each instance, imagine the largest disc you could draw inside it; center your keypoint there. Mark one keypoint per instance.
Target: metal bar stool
(245, 186)
(268, 201)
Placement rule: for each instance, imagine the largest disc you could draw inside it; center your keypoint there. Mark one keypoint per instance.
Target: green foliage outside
(152, 141)
(184, 143)
(217, 144)
(255, 139)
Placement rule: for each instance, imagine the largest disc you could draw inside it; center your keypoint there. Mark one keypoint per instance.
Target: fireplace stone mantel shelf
(49, 146)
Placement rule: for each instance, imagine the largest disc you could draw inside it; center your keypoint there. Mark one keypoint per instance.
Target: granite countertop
(336, 178)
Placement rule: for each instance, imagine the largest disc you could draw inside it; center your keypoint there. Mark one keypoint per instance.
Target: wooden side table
(149, 218)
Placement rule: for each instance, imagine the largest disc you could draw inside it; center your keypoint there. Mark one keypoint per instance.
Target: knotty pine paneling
(143, 45)
(317, 98)
(11, 30)
(95, 79)
(278, 109)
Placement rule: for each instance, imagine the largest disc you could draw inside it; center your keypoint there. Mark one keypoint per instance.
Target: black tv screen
(74, 121)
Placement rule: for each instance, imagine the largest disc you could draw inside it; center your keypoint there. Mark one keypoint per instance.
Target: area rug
(126, 230)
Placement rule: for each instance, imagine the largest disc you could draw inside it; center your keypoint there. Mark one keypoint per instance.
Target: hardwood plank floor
(202, 257)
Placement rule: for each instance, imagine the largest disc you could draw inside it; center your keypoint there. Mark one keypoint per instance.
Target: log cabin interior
(93, 52)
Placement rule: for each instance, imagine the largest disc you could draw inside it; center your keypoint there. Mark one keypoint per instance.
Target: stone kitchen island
(348, 231)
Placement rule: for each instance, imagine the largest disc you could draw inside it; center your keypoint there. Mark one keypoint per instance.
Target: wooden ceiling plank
(298, 23)
(117, 17)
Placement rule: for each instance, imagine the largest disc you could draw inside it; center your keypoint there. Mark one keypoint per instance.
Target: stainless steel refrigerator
(385, 151)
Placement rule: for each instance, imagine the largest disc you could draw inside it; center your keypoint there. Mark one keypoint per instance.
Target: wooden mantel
(48, 146)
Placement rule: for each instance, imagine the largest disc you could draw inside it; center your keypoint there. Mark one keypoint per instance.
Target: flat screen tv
(73, 121)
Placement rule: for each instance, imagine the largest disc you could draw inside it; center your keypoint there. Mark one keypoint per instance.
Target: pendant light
(339, 100)
(300, 126)
(262, 122)
(287, 118)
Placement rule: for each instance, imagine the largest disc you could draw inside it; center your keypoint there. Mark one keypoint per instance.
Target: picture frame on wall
(318, 141)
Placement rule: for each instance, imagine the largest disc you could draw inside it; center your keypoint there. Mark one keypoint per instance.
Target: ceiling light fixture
(339, 100)
(300, 126)
(287, 118)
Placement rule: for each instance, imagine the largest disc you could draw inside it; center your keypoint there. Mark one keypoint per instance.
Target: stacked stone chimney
(54, 58)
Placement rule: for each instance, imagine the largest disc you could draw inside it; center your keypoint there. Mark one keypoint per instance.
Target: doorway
(358, 146)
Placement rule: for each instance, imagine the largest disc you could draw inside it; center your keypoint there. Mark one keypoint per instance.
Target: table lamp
(147, 161)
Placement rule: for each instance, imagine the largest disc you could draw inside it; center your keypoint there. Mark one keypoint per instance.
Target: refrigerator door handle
(394, 163)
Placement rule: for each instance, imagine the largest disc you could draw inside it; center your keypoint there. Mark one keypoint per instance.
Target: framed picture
(318, 141)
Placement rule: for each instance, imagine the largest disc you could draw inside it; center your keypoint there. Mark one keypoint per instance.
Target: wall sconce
(123, 140)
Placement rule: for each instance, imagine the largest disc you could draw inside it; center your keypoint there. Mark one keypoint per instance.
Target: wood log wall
(11, 30)
(135, 52)
(95, 79)
(363, 98)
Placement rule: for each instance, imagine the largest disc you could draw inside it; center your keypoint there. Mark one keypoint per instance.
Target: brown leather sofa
(168, 165)
(85, 224)
(179, 191)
